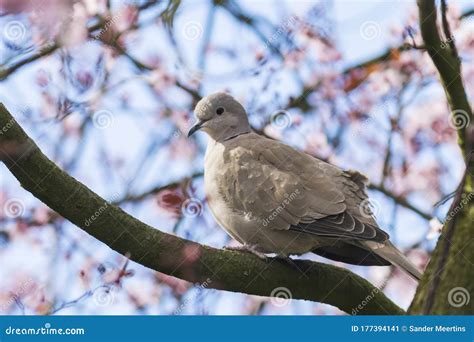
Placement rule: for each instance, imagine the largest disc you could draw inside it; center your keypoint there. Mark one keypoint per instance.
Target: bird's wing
(288, 189)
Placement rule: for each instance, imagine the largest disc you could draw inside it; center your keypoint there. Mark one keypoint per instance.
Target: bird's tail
(390, 253)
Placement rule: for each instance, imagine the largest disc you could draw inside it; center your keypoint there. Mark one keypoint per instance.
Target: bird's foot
(247, 248)
(287, 260)
(284, 257)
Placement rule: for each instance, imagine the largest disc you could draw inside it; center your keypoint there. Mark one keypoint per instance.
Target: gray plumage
(275, 199)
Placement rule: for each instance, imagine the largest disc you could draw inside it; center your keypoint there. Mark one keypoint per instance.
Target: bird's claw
(286, 259)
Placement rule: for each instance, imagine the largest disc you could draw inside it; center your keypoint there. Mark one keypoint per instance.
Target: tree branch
(450, 272)
(51, 47)
(448, 64)
(301, 102)
(43, 51)
(156, 189)
(220, 269)
(400, 200)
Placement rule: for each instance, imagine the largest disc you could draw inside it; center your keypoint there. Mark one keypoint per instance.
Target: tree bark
(218, 269)
(447, 284)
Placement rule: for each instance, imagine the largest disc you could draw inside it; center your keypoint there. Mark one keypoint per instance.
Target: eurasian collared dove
(275, 199)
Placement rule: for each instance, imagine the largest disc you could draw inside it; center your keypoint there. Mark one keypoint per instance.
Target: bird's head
(221, 116)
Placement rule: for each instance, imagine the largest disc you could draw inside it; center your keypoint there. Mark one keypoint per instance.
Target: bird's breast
(217, 184)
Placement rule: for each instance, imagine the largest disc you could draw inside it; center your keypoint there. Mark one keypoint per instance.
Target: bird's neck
(232, 136)
(229, 134)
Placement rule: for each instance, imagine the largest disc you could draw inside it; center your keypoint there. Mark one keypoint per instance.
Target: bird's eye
(219, 111)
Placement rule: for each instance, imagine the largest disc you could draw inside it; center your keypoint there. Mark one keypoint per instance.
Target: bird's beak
(197, 126)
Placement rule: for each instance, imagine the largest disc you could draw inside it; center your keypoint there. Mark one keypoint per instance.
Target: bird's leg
(247, 248)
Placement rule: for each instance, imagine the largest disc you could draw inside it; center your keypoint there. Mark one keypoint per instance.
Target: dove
(274, 199)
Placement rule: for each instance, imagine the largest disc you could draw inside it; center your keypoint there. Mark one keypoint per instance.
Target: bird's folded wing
(288, 189)
(342, 226)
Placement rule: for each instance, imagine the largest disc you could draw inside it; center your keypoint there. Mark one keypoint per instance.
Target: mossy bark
(447, 285)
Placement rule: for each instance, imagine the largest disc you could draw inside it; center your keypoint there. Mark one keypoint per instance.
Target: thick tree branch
(448, 64)
(449, 274)
(220, 269)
